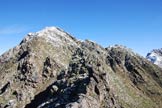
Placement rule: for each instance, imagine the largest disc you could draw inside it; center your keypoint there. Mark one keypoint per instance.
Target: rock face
(52, 69)
(155, 56)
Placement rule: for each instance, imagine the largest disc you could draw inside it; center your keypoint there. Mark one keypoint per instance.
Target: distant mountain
(52, 69)
(155, 56)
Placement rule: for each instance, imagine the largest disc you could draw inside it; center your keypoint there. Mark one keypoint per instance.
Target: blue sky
(136, 24)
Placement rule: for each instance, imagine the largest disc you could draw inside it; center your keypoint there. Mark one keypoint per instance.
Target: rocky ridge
(52, 69)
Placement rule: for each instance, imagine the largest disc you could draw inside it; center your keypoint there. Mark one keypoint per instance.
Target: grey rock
(52, 69)
(155, 56)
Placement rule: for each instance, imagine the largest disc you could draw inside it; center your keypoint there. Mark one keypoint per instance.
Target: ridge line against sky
(136, 24)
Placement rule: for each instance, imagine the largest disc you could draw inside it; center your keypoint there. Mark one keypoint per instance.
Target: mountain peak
(54, 35)
(155, 56)
(52, 29)
(46, 30)
(50, 68)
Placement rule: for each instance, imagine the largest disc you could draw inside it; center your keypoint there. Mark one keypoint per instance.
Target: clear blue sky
(136, 24)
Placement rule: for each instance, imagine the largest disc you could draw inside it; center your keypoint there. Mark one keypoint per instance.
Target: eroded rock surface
(52, 69)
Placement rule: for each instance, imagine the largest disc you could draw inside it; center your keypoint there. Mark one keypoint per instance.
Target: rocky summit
(52, 69)
(155, 56)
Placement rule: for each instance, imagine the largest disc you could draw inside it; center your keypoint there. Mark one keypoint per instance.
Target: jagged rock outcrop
(155, 56)
(52, 69)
